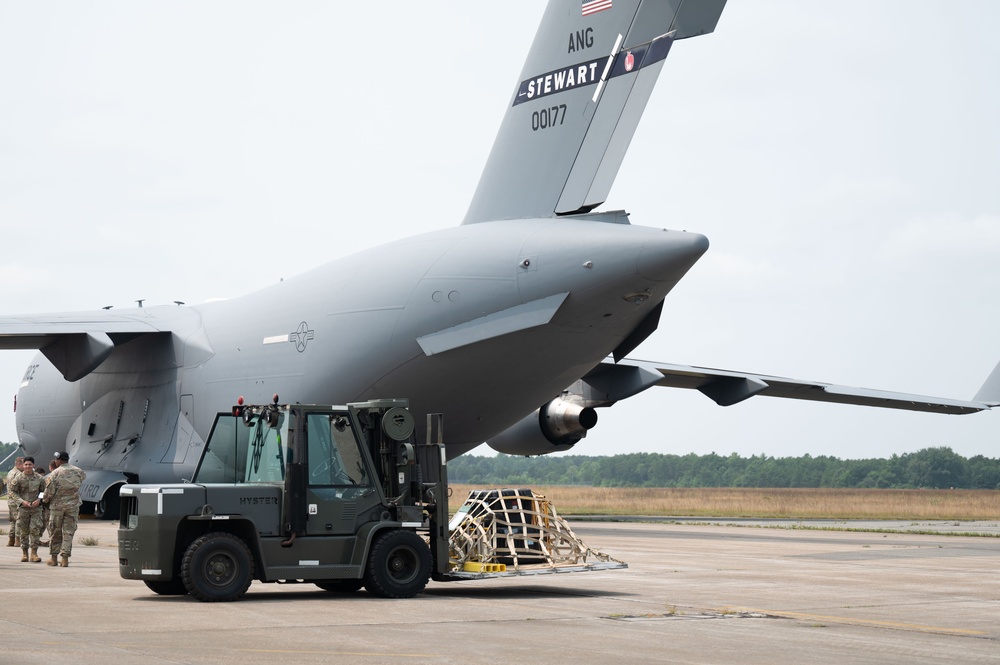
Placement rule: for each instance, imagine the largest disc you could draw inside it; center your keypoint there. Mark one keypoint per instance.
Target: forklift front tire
(399, 565)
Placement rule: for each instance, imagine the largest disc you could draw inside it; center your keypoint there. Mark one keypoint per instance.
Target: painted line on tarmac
(875, 623)
(346, 653)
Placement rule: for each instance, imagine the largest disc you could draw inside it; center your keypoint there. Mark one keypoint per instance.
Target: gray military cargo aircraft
(515, 324)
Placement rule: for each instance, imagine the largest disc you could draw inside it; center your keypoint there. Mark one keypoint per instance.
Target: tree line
(7, 449)
(930, 468)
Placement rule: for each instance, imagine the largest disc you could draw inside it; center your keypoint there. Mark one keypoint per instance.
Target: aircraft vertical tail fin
(582, 90)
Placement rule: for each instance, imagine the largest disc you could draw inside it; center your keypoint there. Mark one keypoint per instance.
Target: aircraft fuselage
(482, 323)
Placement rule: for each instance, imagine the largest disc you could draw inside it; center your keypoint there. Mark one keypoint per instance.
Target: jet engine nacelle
(554, 427)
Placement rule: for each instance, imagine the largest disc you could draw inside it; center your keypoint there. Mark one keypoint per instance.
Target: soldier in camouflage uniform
(62, 493)
(53, 465)
(26, 490)
(12, 539)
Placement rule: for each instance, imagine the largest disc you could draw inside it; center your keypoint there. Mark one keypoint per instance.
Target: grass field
(753, 502)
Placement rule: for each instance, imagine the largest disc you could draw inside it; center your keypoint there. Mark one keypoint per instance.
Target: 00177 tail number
(550, 117)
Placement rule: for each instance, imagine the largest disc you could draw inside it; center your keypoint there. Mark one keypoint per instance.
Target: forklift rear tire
(399, 565)
(174, 587)
(217, 567)
(341, 586)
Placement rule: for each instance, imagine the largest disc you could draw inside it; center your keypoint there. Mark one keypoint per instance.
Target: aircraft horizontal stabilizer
(692, 18)
(727, 387)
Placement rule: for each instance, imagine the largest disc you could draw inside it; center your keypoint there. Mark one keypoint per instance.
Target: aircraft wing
(727, 387)
(75, 342)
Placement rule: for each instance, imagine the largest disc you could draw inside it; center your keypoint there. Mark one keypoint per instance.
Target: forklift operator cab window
(267, 452)
(236, 453)
(225, 457)
(334, 458)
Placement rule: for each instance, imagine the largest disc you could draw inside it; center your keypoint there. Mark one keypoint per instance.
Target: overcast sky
(843, 159)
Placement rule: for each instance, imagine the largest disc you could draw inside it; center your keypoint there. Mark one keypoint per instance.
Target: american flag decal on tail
(594, 6)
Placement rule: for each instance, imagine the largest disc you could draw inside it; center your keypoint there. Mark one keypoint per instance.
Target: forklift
(337, 496)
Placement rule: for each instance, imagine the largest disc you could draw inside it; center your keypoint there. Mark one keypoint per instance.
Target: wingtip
(989, 393)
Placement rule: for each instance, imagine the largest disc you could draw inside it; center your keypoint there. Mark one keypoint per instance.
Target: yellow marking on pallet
(477, 567)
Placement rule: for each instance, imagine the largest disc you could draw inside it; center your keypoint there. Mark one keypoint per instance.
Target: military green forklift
(340, 497)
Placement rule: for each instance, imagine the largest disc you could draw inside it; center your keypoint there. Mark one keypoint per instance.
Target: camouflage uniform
(26, 488)
(62, 493)
(12, 505)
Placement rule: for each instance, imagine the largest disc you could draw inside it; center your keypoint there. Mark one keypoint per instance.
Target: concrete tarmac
(693, 593)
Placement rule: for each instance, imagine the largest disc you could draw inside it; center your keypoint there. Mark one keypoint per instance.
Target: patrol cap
(62, 455)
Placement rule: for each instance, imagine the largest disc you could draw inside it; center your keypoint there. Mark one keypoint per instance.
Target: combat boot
(64, 561)
(17, 541)
(24, 556)
(33, 557)
(51, 561)
(10, 540)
